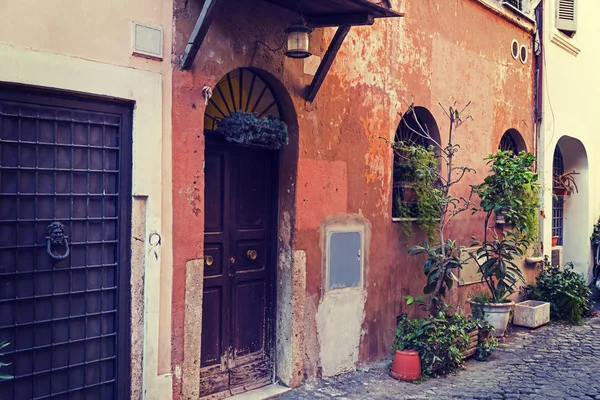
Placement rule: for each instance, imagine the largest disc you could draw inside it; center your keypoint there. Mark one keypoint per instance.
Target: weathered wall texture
(337, 163)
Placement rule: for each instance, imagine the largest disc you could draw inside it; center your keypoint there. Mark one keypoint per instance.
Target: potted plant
(564, 184)
(496, 261)
(418, 167)
(247, 128)
(512, 186)
(567, 292)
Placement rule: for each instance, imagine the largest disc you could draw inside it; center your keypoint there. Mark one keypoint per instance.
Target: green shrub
(440, 339)
(565, 290)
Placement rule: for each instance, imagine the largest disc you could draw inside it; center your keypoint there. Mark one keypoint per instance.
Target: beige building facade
(85, 50)
(568, 61)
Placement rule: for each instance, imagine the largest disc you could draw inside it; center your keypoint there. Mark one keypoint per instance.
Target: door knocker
(56, 237)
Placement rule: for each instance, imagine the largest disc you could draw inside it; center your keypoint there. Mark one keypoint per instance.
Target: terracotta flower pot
(561, 191)
(406, 365)
(554, 241)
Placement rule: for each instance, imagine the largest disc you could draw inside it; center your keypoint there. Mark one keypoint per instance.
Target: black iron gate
(64, 160)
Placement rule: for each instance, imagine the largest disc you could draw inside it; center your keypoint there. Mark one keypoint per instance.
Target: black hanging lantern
(298, 40)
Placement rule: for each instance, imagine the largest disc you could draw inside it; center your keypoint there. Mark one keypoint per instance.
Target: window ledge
(564, 42)
(397, 219)
(519, 12)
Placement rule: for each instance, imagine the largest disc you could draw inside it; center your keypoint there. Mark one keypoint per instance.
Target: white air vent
(557, 256)
(514, 49)
(523, 54)
(147, 40)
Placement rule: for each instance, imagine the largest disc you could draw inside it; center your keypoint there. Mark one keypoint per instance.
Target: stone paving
(552, 362)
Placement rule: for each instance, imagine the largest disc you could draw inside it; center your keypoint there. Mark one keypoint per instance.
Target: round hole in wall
(514, 49)
(523, 54)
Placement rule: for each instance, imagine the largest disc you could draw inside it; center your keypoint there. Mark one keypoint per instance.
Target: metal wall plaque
(344, 259)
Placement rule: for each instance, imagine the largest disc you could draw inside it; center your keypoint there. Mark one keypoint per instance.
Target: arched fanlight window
(412, 123)
(240, 90)
(512, 141)
(558, 202)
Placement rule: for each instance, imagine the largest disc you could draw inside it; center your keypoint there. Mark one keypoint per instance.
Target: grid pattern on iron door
(558, 203)
(59, 164)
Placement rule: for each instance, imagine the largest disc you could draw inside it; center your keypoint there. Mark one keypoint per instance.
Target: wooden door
(238, 269)
(64, 160)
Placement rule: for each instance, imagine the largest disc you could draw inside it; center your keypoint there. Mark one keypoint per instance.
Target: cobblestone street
(553, 362)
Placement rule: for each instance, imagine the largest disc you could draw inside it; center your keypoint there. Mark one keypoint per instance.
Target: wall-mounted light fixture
(298, 40)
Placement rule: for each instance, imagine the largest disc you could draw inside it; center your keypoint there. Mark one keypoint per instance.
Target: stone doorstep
(265, 392)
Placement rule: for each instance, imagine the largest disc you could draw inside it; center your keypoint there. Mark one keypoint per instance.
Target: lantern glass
(298, 42)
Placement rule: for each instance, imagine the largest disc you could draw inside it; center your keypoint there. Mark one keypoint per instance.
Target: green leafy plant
(440, 340)
(485, 346)
(565, 290)
(496, 262)
(512, 189)
(437, 206)
(248, 129)
(595, 238)
(416, 166)
(4, 377)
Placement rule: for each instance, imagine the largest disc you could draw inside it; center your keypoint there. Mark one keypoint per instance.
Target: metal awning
(338, 8)
(318, 13)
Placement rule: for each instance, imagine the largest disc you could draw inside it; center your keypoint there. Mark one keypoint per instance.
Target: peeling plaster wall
(339, 325)
(337, 163)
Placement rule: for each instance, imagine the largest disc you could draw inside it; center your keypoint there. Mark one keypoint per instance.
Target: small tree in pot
(437, 206)
(512, 187)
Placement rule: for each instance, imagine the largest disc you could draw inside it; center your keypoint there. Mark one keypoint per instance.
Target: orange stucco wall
(444, 52)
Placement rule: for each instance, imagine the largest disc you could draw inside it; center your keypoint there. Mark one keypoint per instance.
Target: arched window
(412, 124)
(240, 90)
(558, 203)
(513, 141)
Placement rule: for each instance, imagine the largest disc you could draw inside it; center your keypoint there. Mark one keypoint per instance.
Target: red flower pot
(561, 191)
(406, 365)
(554, 241)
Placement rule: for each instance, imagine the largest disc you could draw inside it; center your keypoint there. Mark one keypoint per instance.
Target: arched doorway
(571, 214)
(241, 201)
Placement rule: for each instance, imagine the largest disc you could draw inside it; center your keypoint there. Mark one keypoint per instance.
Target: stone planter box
(532, 313)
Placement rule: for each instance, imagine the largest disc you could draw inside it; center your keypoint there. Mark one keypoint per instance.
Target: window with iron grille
(408, 132)
(558, 168)
(515, 3)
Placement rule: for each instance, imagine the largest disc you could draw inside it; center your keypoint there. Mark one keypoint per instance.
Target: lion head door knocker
(56, 238)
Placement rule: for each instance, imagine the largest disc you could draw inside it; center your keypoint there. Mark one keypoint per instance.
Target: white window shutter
(566, 15)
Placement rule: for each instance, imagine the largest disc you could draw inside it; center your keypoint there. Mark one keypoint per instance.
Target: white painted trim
(60, 72)
(564, 42)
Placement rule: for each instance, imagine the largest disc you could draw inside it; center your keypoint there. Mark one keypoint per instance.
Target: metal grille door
(62, 160)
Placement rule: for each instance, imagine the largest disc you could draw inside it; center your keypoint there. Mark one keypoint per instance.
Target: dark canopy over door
(68, 160)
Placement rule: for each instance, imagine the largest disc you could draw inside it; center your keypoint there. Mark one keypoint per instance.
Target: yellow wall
(570, 110)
